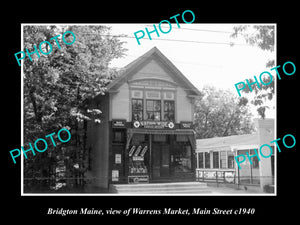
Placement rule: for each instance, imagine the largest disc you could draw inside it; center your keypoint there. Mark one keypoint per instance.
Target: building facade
(215, 157)
(146, 131)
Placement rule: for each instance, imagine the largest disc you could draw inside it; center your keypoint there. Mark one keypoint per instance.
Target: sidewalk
(233, 191)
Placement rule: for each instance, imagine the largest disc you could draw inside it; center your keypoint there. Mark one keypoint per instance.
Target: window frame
(168, 111)
(200, 160)
(223, 160)
(216, 162)
(230, 160)
(255, 161)
(133, 111)
(153, 111)
(207, 164)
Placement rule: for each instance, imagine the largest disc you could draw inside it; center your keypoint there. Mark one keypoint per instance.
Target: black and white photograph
(164, 113)
(159, 115)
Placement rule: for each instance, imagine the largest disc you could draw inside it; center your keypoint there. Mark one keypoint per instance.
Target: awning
(189, 132)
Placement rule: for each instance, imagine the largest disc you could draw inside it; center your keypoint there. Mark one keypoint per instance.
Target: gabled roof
(154, 52)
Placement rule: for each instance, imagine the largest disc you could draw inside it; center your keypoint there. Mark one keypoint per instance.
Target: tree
(55, 87)
(261, 36)
(218, 113)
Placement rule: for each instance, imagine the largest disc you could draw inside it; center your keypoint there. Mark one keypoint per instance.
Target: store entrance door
(160, 161)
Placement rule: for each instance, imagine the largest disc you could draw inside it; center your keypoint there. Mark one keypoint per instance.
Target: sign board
(138, 179)
(229, 177)
(137, 158)
(117, 158)
(215, 176)
(118, 123)
(115, 175)
(154, 124)
(186, 125)
(152, 83)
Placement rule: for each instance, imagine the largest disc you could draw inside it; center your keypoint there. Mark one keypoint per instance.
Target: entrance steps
(161, 188)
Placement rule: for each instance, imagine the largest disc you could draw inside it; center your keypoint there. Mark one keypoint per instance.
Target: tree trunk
(37, 114)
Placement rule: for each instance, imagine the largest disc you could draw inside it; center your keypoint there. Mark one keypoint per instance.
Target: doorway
(160, 161)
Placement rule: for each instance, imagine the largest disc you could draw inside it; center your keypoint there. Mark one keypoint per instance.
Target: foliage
(218, 113)
(262, 36)
(55, 87)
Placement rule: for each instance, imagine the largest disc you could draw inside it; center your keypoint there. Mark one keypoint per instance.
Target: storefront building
(215, 158)
(146, 131)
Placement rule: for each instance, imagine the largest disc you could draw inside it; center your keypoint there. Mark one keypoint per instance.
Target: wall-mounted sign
(118, 123)
(137, 158)
(186, 125)
(136, 94)
(168, 95)
(215, 175)
(152, 83)
(117, 158)
(153, 124)
(138, 179)
(153, 94)
(115, 175)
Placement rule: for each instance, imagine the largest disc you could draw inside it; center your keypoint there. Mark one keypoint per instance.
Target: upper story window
(153, 105)
(137, 109)
(153, 110)
(169, 110)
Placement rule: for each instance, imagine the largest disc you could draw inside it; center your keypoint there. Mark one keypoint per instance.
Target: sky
(202, 52)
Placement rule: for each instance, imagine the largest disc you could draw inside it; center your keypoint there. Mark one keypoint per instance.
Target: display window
(181, 158)
(138, 159)
(138, 163)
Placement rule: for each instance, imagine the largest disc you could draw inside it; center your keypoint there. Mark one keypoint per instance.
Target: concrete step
(160, 185)
(161, 188)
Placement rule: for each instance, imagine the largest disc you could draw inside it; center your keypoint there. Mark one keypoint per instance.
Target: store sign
(186, 125)
(138, 152)
(153, 94)
(137, 158)
(115, 175)
(118, 123)
(154, 124)
(138, 179)
(229, 176)
(117, 158)
(215, 176)
(152, 83)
